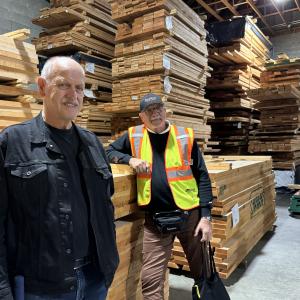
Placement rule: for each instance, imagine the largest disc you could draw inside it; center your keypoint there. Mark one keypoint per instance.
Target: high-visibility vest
(177, 164)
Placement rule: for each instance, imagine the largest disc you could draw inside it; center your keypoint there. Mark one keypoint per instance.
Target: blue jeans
(90, 286)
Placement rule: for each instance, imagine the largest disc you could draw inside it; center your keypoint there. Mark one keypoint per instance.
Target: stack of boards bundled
(243, 209)
(279, 103)
(75, 25)
(93, 117)
(237, 62)
(129, 230)
(85, 30)
(161, 48)
(18, 71)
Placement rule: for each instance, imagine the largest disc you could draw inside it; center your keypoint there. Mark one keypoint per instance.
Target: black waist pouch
(170, 221)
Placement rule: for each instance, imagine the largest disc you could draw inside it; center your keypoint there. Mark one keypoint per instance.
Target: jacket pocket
(27, 186)
(28, 172)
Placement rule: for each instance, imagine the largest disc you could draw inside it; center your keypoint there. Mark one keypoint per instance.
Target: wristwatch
(208, 218)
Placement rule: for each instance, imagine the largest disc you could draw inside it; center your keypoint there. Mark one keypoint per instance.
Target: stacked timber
(18, 69)
(237, 62)
(98, 78)
(282, 71)
(279, 103)
(161, 48)
(126, 284)
(129, 231)
(243, 209)
(86, 31)
(93, 117)
(75, 25)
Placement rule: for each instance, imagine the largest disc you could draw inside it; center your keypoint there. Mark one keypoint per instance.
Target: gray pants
(157, 250)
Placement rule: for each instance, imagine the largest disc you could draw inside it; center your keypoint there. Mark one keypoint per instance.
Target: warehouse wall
(17, 14)
(288, 43)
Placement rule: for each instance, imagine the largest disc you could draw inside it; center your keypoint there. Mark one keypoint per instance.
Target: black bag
(210, 286)
(170, 221)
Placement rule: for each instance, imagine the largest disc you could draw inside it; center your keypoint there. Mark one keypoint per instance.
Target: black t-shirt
(161, 195)
(68, 142)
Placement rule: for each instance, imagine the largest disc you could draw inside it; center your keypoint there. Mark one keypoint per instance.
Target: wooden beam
(284, 12)
(252, 5)
(20, 34)
(210, 10)
(279, 12)
(297, 4)
(230, 7)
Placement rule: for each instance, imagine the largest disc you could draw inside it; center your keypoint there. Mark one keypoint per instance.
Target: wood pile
(98, 77)
(126, 284)
(279, 103)
(243, 209)
(18, 69)
(129, 230)
(282, 71)
(71, 26)
(161, 48)
(93, 117)
(237, 63)
(84, 30)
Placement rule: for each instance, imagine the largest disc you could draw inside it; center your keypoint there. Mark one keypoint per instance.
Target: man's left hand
(205, 227)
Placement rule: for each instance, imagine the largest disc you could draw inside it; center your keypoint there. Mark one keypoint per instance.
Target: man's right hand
(139, 165)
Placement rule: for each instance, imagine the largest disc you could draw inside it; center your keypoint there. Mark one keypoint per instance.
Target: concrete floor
(271, 271)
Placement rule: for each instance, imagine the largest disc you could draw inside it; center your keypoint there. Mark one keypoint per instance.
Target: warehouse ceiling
(273, 16)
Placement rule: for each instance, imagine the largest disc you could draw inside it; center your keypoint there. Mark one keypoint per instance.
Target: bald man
(57, 228)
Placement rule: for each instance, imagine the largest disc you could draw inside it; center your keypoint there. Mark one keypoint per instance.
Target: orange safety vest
(177, 164)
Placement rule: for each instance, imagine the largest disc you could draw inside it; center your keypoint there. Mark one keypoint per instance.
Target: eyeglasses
(65, 85)
(150, 110)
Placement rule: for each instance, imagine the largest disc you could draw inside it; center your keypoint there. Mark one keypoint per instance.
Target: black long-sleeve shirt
(161, 197)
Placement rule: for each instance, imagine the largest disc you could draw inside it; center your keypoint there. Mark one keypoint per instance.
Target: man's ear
(41, 82)
(141, 115)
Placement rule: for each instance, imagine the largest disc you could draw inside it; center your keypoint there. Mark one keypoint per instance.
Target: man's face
(63, 95)
(154, 117)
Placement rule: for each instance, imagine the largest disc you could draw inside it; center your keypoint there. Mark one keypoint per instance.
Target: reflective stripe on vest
(182, 139)
(136, 144)
(177, 164)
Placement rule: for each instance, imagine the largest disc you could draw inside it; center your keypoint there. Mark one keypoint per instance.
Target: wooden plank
(20, 34)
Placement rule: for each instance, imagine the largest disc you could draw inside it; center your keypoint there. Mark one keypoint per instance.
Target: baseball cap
(148, 100)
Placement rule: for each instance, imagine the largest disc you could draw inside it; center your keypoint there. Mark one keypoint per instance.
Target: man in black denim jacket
(56, 215)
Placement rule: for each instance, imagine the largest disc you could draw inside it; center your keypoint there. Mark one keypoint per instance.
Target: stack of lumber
(283, 70)
(161, 48)
(75, 25)
(18, 60)
(279, 103)
(85, 30)
(98, 77)
(243, 209)
(126, 284)
(121, 122)
(124, 198)
(129, 231)
(18, 69)
(237, 65)
(93, 117)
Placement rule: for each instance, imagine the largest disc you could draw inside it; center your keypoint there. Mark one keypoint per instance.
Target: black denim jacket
(32, 179)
